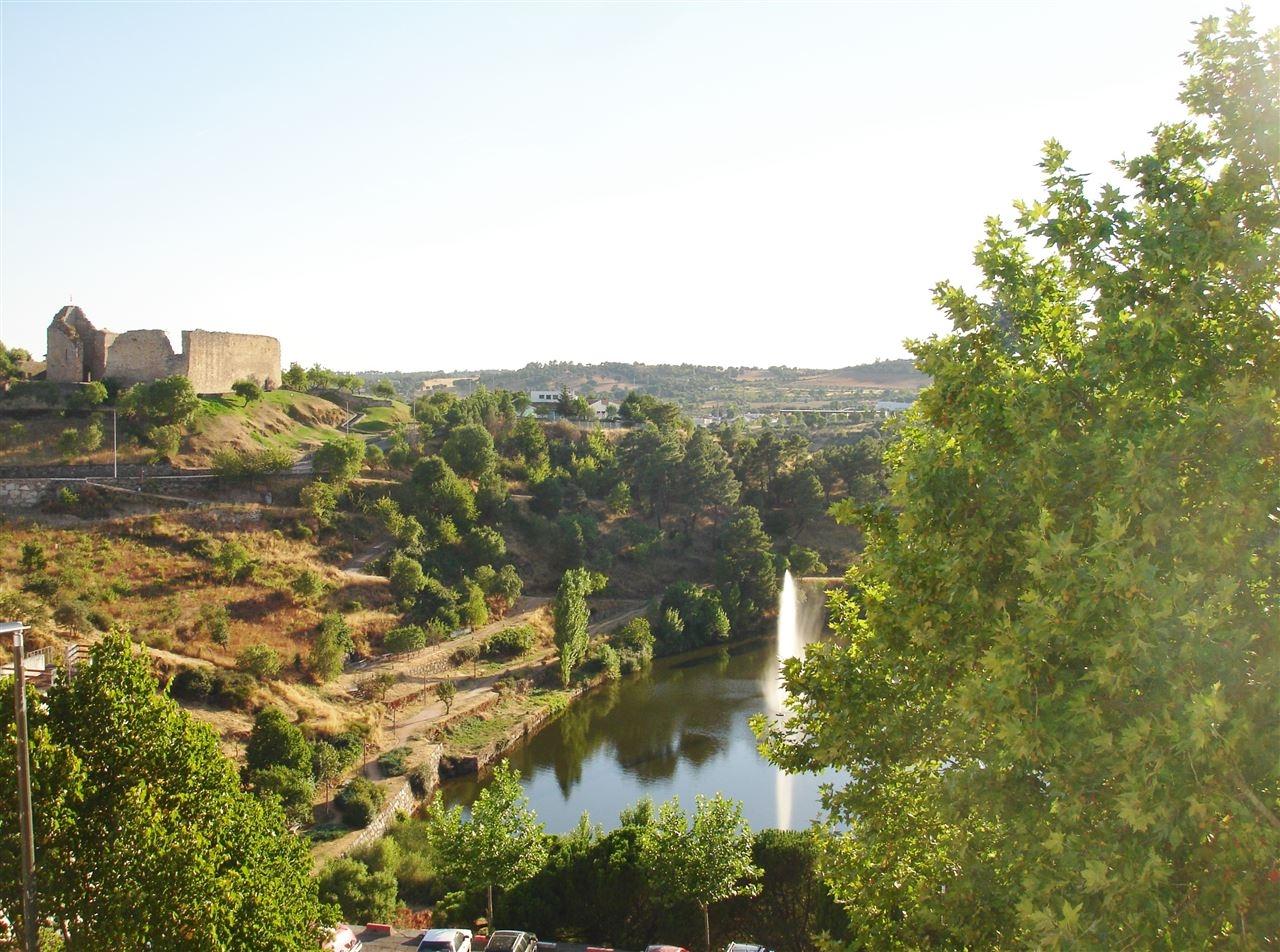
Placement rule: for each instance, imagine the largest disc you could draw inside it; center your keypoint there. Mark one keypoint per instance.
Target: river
(679, 729)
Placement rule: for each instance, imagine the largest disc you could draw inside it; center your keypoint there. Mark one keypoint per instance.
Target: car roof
(441, 933)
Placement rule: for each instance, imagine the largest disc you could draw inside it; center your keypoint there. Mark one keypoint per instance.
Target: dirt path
(357, 563)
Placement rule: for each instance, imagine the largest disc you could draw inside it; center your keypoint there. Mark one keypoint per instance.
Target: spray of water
(789, 646)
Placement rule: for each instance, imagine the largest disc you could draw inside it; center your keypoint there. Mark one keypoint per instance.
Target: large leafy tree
(704, 860)
(1056, 686)
(145, 838)
(570, 615)
(501, 843)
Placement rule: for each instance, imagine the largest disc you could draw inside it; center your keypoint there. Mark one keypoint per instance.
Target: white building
(542, 398)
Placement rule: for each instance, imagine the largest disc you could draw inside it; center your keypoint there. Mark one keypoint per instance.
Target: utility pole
(30, 925)
(115, 455)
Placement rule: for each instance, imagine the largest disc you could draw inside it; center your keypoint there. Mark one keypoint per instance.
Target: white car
(342, 939)
(445, 940)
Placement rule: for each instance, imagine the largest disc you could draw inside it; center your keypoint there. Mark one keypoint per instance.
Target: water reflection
(678, 729)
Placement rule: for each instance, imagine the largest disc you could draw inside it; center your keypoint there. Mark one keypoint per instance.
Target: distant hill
(693, 386)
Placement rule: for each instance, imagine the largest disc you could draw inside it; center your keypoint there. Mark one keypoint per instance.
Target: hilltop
(692, 386)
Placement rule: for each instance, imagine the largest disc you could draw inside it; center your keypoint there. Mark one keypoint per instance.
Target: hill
(694, 387)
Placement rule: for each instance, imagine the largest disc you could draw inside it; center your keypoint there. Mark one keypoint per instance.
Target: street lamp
(14, 631)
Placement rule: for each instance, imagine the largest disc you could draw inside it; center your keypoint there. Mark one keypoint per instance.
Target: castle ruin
(79, 352)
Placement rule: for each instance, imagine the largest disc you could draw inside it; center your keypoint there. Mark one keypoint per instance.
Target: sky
(411, 186)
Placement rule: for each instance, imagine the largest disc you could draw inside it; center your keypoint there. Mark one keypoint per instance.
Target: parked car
(666, 948)
(745, 947)
(342, 939)
(445, 940)
(507, 940)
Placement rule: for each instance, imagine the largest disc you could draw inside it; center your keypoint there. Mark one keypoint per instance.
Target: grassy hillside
(383, 419)
(281, 419)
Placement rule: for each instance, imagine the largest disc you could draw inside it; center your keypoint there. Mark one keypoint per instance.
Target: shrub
(42, 584)
(359, 802)
(320, 500)
(404, 638)
(247, 390)
(421, 782)
(361, 895)
(251, 464)
(33, 558)
(308, 585)
(261, 661)
(192, 684)
(233, 562)
(215, 621)
(406, 577)
(67, 498)
(164, 442)
(294, 789)
(510, 642)
(74, 614)
(392, 763)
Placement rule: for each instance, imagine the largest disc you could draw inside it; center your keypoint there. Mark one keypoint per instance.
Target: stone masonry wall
(139, 356)
(214, 361)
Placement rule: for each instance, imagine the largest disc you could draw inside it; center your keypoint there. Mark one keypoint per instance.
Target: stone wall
(24, 493)
(140, 356)
(214, 361)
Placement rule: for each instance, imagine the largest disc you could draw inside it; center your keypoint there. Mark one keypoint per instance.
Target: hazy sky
(408, 186)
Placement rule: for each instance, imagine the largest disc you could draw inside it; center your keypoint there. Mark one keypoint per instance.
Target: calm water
(679, 729)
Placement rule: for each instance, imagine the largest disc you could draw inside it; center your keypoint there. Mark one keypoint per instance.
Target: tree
(165, 441)
(277, 742)
(327, 764)
(1055, 685)
(330, 648)
(247, 390)
(359, 801)
(384, 389)
(446, 692)
(320, 500)
(469, 451)
(143, 831)
(295, 378)
(170, 401)
(339, 461)
(87, 396)
(703, 862)
(745, 571)
(570, 615)
(500, 844)
(404, 638)
(362, 895)
(11, 361)
(706, 480)
(293, 790)
(261, 661)
(406, 577)
(440, 493)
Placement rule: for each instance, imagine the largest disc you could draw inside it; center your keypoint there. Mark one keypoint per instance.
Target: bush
(251, 464)
(359, 802)
(392, 763)
(406, 577)
(74, 614)
(33, 558)
(404, 638)
(215, 621)
(233, 562)
(229, 689)
(634, 643)
(421, 782)
(308, 585)
(261, 661)
(320, 500)
(510, 642)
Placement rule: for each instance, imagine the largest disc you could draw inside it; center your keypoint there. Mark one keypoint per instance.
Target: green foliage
(339, 461)
(261, 661)
(501, 844)
(11, 360)
(704, 860)
(363, 896)
(277, 742)
(247, 390)
(293, 790)
(384, 389)
(469, 451)
(87, 396)
(308, 586)
(359, 801)
(745, 572)
(164, 441)
(689, 617)
(132, 795)
(446, 691)
(570, 615)
(232, 562)
(473, 610)
(440, 493)
(406, 577)
(32, 557)
(232, 463)
(404, 638)
(634, 643)
(510, 642)
(330, 648)
(1055, 683)
(320, 500)
(215, 621)
(170, 402)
